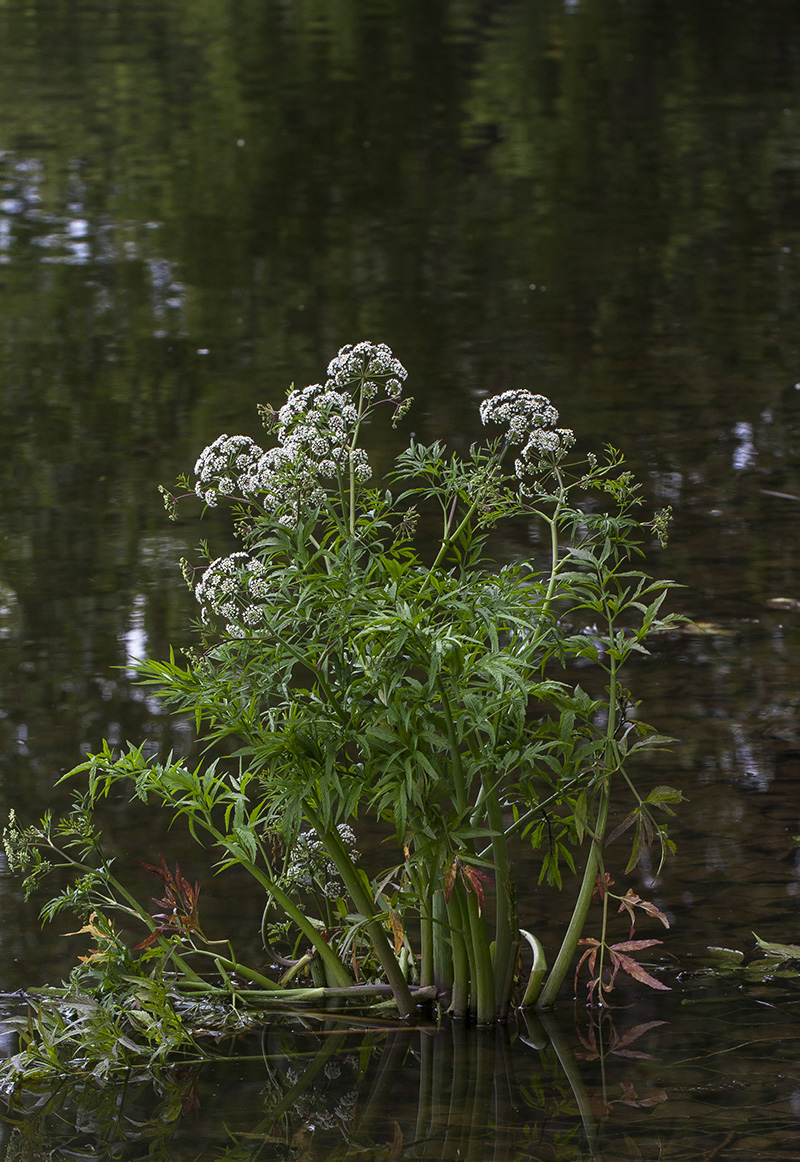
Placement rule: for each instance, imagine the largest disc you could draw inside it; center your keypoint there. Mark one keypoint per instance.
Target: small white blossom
(531, 421)
(315, 430)
(365, 362)
(309, 866)
(521, 410)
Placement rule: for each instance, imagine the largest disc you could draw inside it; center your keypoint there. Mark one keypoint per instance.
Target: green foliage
(346, 672)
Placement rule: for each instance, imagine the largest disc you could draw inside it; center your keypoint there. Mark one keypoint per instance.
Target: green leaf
(786, 951)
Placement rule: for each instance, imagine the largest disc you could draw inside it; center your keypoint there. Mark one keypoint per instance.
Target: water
(199, 203)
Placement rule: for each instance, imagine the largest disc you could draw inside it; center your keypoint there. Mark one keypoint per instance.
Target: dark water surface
(200, 202)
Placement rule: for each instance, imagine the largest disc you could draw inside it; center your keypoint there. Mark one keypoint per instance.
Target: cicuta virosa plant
(354, 674)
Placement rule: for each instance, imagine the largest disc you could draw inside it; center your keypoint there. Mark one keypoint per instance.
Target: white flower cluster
(310, 867)
(221, 465)
(236, 588)
(364, 365)
(531, 422)
(314, 428)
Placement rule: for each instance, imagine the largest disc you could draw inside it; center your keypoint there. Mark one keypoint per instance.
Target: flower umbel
(316, 431)
(531, 421)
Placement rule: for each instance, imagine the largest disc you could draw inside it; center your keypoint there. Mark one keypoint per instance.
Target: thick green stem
(594, 859)
(426, 940)
(250, 974)
(365, 905)
(547, 997)
(442, 946)
(483, 976)
(459, 1002)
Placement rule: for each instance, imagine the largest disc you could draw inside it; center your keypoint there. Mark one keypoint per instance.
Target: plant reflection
(330, 1086)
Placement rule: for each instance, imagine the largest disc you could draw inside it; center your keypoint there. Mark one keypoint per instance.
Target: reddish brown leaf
(603, 882)
(623, 826)
(474, 880)
(148, 940)
(634, 969)
(450, 879)
(630, 901)
(635, 1033)
(634, 945)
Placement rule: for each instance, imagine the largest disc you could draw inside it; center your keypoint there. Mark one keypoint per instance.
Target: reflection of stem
(383, 1090)
(425, 1106)
(573, 1076)
(480, 1114)
(602, 1059)
(330, 1046)
(460, 1072)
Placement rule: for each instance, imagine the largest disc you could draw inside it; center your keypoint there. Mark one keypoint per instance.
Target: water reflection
(714, 1073)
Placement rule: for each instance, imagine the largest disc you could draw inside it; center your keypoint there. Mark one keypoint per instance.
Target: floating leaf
(785, 951)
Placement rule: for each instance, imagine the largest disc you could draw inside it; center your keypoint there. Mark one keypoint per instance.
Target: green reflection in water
(700, 1082)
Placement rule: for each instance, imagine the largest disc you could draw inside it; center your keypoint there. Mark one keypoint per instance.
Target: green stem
(483, 975)
(459, 1002)
(569, 944)
(602, 937)
(426, 939)
(449, 538)
(594, 858)
(334, 968)
(442, 946)
(264, 982)
(364, 904)
(553, 522)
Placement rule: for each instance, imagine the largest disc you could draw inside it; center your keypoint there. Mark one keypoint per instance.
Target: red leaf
(148, 940)
(474, 881)
(634, 969)
(604, 881)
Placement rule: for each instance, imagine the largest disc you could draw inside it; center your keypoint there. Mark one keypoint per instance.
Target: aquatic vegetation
(348, 671)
